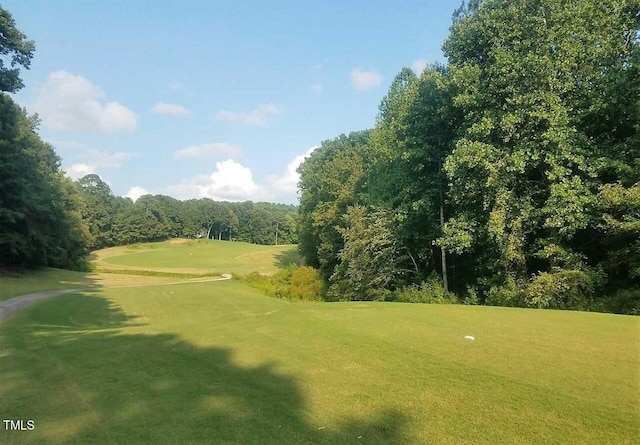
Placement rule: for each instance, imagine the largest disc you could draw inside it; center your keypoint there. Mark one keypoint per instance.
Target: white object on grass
(469, 337)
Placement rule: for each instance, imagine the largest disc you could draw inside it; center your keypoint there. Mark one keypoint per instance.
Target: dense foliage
(39, 221)
(512, 172)
(114, 220)
(291, 283)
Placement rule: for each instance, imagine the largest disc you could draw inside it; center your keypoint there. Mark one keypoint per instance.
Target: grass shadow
(288, 258)
(43, 279)
(73, 366)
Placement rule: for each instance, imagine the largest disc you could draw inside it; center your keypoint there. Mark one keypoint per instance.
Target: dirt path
(13, 305)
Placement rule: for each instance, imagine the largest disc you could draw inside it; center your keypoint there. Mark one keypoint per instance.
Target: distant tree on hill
(113, 220)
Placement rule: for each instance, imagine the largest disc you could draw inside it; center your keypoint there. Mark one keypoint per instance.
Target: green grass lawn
(220, 363)
(198, 256)
(154, 263)
(14, 284)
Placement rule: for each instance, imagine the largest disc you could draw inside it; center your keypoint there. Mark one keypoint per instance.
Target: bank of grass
(221, 363)
(197, 256)
(153, 263)
(155, 273)
(13, 283)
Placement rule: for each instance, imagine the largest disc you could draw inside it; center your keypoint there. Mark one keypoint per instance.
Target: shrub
(306, 284)
(507, 294)
(472, 296)
(290, 283)
(430, 291)
(625, 301)
(563, 289)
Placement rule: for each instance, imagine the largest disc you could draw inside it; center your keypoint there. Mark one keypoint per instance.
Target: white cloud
(90, 160)
(258, 116)
(170, 109)
(288, 183)
(69, 103)
(68, 145)
(77, 171)
(216, 149)
(418, 66)
(231, 181)
(316, 88)
(135, 192)
(364, 80)
(79, 151)
(104, 158)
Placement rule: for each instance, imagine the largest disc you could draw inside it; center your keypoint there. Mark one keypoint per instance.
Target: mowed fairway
(220, 363)
(192, 256)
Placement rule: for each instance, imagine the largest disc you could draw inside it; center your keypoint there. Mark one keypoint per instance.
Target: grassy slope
(147, 263)
(219, 363)
(13, 285)
(198, 256)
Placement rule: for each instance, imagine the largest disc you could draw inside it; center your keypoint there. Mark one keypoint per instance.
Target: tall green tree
(537, 83)
(371, 261)
(414, 135)
(331, 180)
(98, 210)
(39, 222)
(15, 47)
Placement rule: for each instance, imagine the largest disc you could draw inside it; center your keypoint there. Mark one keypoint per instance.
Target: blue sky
(219, 99)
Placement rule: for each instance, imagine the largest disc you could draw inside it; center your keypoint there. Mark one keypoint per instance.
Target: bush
(430, 291)
(625, 301)
(306, 284)
(291, 283)
(472, 296)
(507, 294)
(563, 289)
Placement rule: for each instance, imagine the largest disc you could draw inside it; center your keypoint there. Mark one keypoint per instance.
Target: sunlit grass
(153, 263)
(197, 256)
(220, 363)
(14, 284)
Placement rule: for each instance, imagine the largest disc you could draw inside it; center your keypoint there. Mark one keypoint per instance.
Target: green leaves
(370, 261)
(39, 219)
(521, 158)
(14, 44)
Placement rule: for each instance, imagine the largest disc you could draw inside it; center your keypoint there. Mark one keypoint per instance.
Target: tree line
(115, 220)
(46, 219)
(507, 176)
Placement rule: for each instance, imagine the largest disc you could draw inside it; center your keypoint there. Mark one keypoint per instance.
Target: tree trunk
(415, 265)
(445, 281)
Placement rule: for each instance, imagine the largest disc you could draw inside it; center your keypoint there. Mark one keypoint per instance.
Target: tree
(39, 222)
(414, 135)
(371, 259)
(15, 46)
(539, 84)
(98, 210)
(331, 180)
